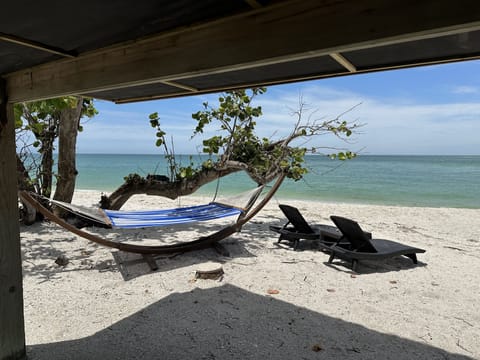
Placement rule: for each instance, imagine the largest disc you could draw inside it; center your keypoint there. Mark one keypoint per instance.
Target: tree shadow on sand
(228, 322)
(40, 254)
(254, 235)
(132, 265)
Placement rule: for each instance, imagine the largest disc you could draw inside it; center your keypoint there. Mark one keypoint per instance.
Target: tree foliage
(235, 146)
(38, 125)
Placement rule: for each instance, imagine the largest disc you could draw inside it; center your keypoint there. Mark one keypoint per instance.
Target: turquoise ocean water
(432, 181)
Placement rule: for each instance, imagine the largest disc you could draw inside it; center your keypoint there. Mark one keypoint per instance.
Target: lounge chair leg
(354, 265)
(413, 257)
(330, 259)
(295, 244)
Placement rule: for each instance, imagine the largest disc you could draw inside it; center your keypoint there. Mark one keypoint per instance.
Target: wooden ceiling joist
(344, 62)
(35, 45)
(180, 86)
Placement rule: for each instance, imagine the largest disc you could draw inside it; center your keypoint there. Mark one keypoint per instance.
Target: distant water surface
(433, 181)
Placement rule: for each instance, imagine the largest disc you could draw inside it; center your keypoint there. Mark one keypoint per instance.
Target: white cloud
(392, 126)
(465, 89)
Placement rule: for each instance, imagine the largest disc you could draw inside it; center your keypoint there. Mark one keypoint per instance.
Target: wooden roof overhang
(110, 50)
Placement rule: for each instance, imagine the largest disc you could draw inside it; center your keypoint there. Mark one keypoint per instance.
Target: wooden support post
(12, 331)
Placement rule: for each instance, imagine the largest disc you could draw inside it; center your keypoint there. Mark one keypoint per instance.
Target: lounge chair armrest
(334, 248)
(294, 234)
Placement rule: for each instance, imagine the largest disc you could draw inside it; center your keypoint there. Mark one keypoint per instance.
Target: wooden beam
(283, 32)
(35, 45)
(12, 333)
(344, 62)
(180, 86)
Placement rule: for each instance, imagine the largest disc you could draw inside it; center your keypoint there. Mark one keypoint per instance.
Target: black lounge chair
(360, 247)
(300, 229)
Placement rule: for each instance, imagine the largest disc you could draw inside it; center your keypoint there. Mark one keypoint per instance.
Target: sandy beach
(271, 303)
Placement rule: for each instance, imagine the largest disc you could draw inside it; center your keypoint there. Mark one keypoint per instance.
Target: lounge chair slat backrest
(296, 219)
(354, 233)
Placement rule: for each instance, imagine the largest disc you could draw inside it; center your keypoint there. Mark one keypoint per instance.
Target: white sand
(96, 308)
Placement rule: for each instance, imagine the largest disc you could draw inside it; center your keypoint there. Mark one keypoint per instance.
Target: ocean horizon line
(320, 155)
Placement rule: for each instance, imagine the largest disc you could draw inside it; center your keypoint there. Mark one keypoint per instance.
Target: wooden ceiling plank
(290, 31)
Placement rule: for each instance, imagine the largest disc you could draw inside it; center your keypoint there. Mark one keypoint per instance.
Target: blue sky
(433, 110)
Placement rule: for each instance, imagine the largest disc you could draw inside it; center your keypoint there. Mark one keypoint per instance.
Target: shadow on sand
(255, 234)
(227, 322)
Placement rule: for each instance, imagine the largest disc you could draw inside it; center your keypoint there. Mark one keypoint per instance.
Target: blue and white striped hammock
(183, 215)
(165, 217)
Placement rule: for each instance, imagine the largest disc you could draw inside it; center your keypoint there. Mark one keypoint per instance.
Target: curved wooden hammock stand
(201, 243)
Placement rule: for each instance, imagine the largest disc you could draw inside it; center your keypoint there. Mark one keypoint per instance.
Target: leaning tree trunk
(160, 186)
(67, 143)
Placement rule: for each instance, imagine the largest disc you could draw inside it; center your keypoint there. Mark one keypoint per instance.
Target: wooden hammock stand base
(200, 243)
(151, 259)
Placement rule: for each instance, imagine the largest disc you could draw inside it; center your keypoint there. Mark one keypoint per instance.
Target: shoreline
(287, 200)
(272, 302)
